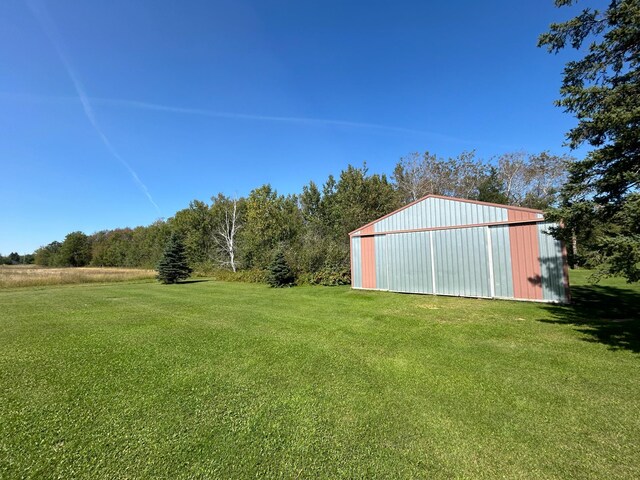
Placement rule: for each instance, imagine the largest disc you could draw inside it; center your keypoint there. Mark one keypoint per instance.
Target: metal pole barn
(451, 246)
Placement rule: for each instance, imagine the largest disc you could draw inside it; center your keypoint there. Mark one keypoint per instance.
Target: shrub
(329, 276)
(248, 276)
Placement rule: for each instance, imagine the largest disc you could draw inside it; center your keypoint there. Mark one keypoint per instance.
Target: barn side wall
(497, 261)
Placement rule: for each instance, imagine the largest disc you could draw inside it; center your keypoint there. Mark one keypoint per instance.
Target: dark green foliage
(604, 242)
(28, 259)
(360, 198)
(173, 265)
(244, 276)
(112, 248)
(75, 251)
(330, 213)
(491, 188)
(602, 90)
(14, 258)
(273, 221)
(280, 273)
(47, 256)
(195, 226)
(329, 276)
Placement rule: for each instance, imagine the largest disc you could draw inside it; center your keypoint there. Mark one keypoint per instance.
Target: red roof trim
(443, 197)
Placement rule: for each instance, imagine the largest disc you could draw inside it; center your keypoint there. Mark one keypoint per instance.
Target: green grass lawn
(228, 380)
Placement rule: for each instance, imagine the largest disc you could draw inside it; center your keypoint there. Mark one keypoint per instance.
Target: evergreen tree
(173, 265)
(602, 90)
(280, 273)
(491, 188)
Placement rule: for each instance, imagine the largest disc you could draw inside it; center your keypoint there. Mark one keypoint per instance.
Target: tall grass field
(228, 380)
(29, 275)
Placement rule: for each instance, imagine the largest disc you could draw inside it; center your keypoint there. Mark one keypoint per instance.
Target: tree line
(310, 229)
(595, 200)
(14, 258)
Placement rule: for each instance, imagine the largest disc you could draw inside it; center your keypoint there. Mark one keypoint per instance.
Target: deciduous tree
(75, 251)
(272, 221)
(228, 218)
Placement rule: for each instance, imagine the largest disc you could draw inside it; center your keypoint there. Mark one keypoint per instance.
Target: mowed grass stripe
(212, 379)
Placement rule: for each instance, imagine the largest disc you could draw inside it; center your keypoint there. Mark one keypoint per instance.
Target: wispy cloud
(326, 122)
(272, 118)
(39, 12)
(374, 127)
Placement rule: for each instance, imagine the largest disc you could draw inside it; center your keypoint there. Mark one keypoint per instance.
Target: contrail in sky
(250, 116)
(39, 12)
(116, 102)
(157, 107)
(136, 104)
(269, 118)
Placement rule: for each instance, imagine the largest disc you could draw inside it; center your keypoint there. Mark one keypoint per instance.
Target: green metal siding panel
(356, 263)
(551, 265)
(462, 266)
(501, 257)
(409, 262)
(380, 246)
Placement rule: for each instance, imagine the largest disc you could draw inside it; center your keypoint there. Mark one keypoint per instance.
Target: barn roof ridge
(444, 197)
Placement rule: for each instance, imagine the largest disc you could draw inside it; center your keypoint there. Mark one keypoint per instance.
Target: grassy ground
(30, 275)
(220, 380)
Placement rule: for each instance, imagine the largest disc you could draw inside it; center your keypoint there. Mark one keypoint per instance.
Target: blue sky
(116, 113)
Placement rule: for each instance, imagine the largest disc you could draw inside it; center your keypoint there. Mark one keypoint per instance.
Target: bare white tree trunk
(226, 233)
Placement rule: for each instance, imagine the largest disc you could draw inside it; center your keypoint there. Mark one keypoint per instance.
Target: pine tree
(602, 90)
(280, 274)
(173, 265)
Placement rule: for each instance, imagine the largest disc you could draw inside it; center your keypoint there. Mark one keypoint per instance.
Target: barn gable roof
(437, 211)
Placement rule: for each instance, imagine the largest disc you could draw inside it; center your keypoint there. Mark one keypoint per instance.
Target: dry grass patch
(29, 275)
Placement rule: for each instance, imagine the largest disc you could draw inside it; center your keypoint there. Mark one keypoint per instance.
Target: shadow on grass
(607, 315)
(184, 282)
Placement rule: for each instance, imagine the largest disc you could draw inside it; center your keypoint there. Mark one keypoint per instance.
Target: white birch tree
(227, 225)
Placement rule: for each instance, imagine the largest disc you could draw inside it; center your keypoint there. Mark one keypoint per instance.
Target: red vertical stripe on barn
(525, 257)
(368, 262)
